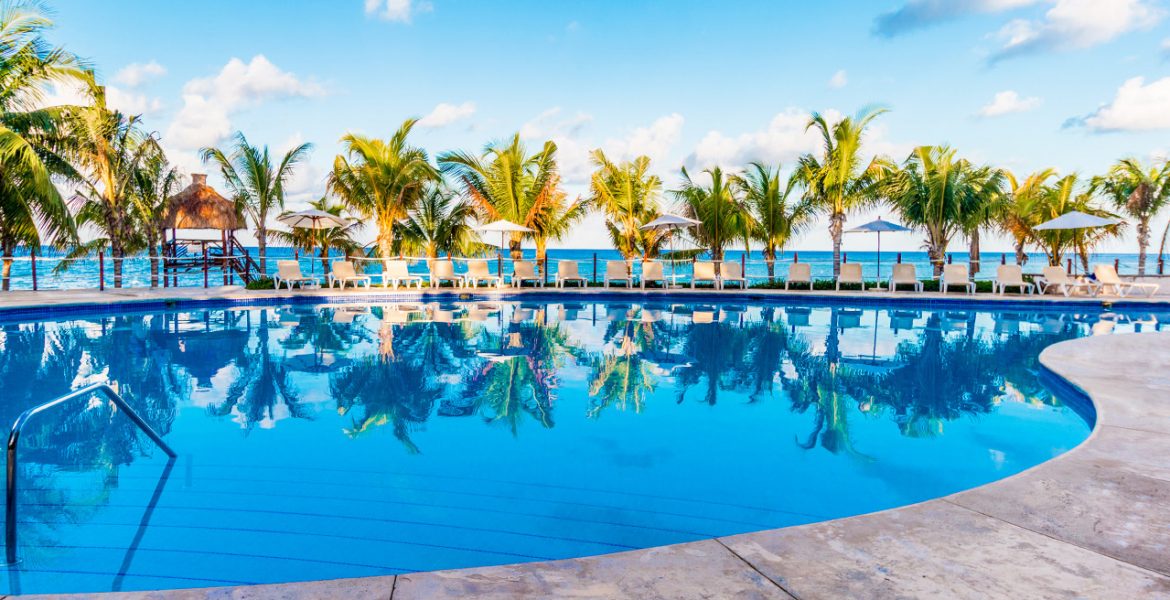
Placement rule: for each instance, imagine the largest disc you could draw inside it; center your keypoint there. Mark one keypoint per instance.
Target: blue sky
(1022, 84)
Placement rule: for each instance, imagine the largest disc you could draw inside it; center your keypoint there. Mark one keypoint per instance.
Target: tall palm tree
(839, 181)
(327, 240)
(942, 194)
(256, 184)
(629, 196)
(382, 180)
(1017, 215)
(506, 182)
(440, 224)
(154, 182)
(1064, 195)
(1140, 193)
(28, 157)
(723, 216)
(776, 216)
(108, 148)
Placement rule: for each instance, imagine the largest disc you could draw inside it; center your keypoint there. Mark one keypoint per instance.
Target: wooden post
(949, 258)
(101, 270)
(1003, 259)
(1117, 265)
(1161, 265)
(544, 271)
(795, 257)
(500, 265)
(899, 258)
(32, 255)
(844, 257)
(595, 267)
(743, 264)
(1069, 268)
(205, 282)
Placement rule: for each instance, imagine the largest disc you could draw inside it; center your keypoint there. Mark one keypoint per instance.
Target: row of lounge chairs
(395, 273)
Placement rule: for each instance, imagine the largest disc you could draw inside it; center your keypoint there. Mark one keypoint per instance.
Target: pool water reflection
(352, 440)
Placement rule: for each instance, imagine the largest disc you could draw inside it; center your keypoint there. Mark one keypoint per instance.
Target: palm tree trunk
(153, 264)
(1143, 240)
(836, 229)
(1021, 256)
(937, 254)
(770, 258)
(262, 244)
(6, 269)
(973, 253)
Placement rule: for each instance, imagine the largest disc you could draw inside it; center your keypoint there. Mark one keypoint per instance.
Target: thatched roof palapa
(199, 206)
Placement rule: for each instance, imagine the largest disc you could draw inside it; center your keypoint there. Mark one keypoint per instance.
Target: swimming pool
(320, 442)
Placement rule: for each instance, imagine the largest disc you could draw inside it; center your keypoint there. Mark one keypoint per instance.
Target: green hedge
(264, 283)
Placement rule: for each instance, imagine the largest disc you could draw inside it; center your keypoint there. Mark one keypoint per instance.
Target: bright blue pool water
(321, 442)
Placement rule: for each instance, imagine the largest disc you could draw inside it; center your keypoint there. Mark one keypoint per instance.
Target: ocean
(84, 273)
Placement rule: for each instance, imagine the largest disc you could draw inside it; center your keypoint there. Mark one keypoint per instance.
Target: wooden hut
(199, 206)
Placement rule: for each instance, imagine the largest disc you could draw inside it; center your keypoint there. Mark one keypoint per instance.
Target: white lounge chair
(617, 270)
(1108, 278)
(850, 274)
(1056, 278)
(732, 273)
(524, 270)
(567, 271)
(288, 273)
(444, 270)
(652, 273)
(343, 272)
(799, 273)
(704, 271)
(953, 275)
(477, 271)
(905, 274)
(397, 272)
(1007, 276)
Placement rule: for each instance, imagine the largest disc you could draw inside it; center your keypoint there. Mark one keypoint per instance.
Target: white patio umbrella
(1076, 220)
(313, 219)
(879, 227)
(671, 223)
(504, 227)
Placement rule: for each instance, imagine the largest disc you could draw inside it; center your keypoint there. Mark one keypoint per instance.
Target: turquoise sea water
(351, 440)
(84, 274)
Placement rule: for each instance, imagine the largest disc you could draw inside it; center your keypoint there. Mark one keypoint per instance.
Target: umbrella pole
(879, 267)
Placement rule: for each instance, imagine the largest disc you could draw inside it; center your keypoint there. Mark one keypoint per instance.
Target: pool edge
(1000, 539)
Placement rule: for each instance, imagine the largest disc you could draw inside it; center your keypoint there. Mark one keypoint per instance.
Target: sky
(1019, 84)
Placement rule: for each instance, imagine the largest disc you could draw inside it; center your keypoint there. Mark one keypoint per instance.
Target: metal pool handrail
(14, 441)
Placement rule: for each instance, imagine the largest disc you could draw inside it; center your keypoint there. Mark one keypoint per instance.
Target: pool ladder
(14, 441)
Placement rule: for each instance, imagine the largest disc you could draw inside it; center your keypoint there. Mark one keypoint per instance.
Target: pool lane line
(498, 497)
(369, 519)
(430, 505)
(395, 570)
(328, 535)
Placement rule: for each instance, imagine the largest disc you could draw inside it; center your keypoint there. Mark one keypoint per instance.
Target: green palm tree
(839, 182)
(629, 196)
(154, 183)
(776, 216)
(382, 180)
(440, 224)
(505, 182)
(326, 240)
(256, 184)
(1017, 215)
(1140, 193)
(1063, 196)
(943, 195)
(723, 216)
(28, 148)
(109, 147)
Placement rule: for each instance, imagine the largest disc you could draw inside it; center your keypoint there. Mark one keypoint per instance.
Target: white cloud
(445, 114)
(398, 11)
(839, 79)
(917, 14)
(132, 103)
(1136, 107)
(136, 74)
(550, 123)
(307, 181)
(655, 141)
(208, 103)
(1074, 24)
(1008, 102)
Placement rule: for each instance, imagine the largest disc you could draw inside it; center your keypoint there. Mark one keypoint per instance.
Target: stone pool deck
(1092, 523)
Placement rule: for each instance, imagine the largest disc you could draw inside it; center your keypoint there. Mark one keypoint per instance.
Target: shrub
(264, 283)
